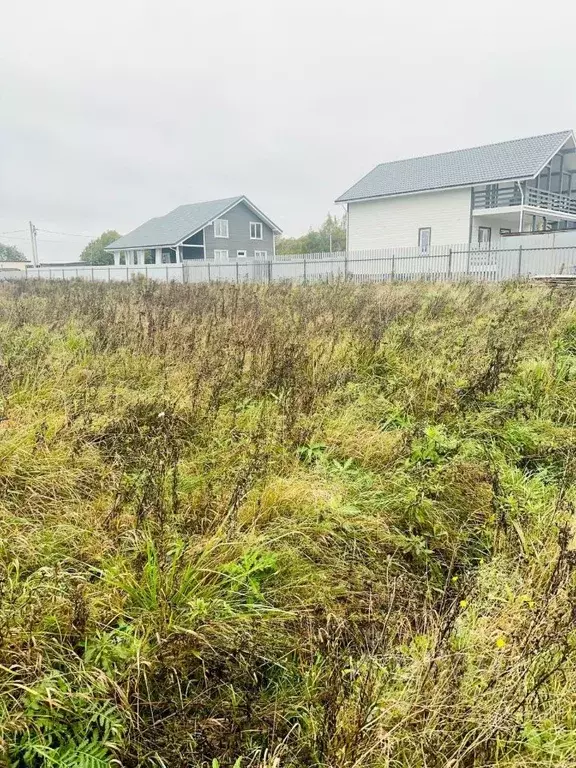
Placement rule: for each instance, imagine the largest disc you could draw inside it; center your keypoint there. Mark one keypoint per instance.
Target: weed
(324, 526)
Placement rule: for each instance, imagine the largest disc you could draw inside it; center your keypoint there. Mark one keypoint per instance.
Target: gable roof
(181, 223)
(517, 159)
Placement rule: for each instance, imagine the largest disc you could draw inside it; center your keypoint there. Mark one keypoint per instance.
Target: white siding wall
(495, 222)
(565, 238)
(395, 221)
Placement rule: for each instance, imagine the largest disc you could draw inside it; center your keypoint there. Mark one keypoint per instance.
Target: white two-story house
(472, 195)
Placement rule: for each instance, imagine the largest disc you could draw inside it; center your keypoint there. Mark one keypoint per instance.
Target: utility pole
(34, 244)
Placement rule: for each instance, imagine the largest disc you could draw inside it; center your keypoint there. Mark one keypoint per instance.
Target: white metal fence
(455, 262)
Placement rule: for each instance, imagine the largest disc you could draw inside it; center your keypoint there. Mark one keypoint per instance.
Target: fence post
(450, 264)
(269, 271)
(304, 262)
(519, 261)
(345, 265)
(237, 275)
(393, 265)
(208, 265)
(182, 265)
(468, 260)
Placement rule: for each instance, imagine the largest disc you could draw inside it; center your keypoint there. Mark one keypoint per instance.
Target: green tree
(94, 252)
(11, 253)
(331, 236)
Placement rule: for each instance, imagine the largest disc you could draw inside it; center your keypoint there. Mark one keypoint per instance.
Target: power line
(12, 230)
(46, 240)
(41, 239)
(68, 234)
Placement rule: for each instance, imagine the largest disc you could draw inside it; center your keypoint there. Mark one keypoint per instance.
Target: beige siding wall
(395, 221)
(21, 265)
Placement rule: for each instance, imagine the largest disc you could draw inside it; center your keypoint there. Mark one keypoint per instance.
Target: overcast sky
(119, 110)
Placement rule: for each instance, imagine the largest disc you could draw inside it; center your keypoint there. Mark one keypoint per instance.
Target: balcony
(550, 201)
(497, 196)
(506, 196)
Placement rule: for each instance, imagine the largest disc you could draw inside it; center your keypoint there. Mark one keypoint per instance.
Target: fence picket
(448, 262)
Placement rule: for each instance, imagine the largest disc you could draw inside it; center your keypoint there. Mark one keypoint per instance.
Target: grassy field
(287, 527)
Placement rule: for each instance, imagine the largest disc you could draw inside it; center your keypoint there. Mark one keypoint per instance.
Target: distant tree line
(331, 236)
(94, 252)
(11, 253)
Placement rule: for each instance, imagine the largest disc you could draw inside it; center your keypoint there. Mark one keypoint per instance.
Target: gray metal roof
(517, 159)
(179, 224)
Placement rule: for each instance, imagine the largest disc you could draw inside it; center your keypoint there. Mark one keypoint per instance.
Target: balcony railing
(497, 196)
(551, 201)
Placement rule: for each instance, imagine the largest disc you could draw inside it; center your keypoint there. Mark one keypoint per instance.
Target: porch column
(178, 254)
(140, 258)
(129, 258)
(158, 256)
(116, 258)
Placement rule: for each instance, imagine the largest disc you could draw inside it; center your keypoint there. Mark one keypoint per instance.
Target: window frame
(422, 248)
(222, 221)
(220, 257)
(485, 242)
(242, 254)
(257, 224)
(258, 255)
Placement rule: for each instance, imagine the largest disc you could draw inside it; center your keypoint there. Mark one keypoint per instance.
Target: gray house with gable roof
(475, 195)
(217, 230)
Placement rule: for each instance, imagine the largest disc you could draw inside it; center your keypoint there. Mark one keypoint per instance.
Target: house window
(241, 254)
(262, 255)
(220, 255)
(484, 235)
(221, 228)
(424, 238)
(255, 230)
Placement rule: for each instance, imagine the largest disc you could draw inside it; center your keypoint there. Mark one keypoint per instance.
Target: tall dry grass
(287, 527)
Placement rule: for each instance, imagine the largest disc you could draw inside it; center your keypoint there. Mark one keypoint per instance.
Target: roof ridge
(567, 133)
(519, 158)
(207, 202)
